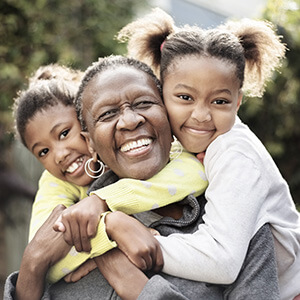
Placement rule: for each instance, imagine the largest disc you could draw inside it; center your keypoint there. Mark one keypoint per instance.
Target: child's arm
(181, 177)
(43, 250)
(133, 238)
(52, 192)
(80, 221)
(99, 244)
(184, 175)
(235, 197)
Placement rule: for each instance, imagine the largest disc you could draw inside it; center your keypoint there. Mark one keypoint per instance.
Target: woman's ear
(90, 144)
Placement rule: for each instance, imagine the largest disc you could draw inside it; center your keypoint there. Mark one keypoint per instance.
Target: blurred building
(209, 13)
(13, 236)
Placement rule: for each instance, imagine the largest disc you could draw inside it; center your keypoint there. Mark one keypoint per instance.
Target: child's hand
(79, 222)
(135, 240)
(81, 271)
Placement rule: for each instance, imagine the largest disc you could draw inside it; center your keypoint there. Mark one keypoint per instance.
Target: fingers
(92, 227)
(75, 232)
(159, 262)
(84, 239)
(154, 232)
(59, 226)
(82, 271)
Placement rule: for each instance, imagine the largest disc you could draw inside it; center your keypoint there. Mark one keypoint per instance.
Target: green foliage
(275, 117)
(71, 32)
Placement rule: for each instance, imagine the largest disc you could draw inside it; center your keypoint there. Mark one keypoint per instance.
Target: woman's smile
(131, 131)
(139, 146)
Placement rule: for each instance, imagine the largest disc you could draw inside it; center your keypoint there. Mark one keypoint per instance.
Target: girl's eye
(43, 152)
(220, 101)
(185, 97)
(64, 134)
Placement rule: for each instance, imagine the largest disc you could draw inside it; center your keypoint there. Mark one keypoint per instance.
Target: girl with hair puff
(204, 75)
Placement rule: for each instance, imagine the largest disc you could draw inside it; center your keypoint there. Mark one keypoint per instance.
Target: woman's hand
(81, 271)
(125, 278)
(135, 240)
(79, 222)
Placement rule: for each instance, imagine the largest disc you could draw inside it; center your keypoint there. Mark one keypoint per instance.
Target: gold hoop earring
(89, 171)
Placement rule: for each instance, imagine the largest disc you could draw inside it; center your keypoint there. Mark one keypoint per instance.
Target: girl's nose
(129, 119)
(61, 154)
(201, 113)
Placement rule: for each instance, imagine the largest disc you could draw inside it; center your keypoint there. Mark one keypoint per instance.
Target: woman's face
(202, 97)
(127, 122)
(53, 136)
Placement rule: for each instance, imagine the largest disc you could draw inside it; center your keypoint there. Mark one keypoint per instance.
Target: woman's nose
(129, 119)
(201, 113)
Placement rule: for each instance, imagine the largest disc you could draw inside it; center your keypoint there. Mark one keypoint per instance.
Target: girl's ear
(90, 144)
(239, 102)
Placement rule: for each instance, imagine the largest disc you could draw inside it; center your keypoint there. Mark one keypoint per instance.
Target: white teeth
(136, 145)
(75, 165)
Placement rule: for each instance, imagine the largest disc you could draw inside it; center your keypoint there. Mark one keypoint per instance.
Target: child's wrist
(103, 204)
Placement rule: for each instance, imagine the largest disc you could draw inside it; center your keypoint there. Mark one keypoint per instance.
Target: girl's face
(53, 136)
(127, 122)
(202, 97)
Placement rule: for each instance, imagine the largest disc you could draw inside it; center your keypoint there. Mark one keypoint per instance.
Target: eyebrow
(35, 145)
(51, 132)
(227, 91)
(181, 85)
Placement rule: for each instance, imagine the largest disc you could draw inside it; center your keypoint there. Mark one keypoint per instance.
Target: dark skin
(46, 248)
(125, 278)
(122, 267)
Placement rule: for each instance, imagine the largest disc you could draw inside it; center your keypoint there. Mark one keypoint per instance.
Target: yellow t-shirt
(181, 177)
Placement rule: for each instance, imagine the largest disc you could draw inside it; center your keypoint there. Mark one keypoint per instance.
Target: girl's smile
(54, 137)
(202, 97)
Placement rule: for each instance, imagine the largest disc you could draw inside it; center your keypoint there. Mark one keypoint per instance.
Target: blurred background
(76, 33)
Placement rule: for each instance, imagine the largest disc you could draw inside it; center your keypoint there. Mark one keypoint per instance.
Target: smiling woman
(129, 116)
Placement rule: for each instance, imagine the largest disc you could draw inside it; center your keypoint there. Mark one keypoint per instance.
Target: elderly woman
(120, 104)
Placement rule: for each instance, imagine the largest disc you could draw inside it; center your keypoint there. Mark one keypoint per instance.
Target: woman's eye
(143, 104)
(64, 134)
(185, 97)
(43, 152)
(108, 115)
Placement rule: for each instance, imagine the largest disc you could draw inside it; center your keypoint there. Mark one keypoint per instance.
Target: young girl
(47, 124)
(204, 74)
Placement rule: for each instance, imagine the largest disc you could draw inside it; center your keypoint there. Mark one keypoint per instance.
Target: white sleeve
(216, 251)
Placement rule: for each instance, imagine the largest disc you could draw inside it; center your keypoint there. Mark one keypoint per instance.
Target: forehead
(45, 121)
(117, 83)
(202, 66)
